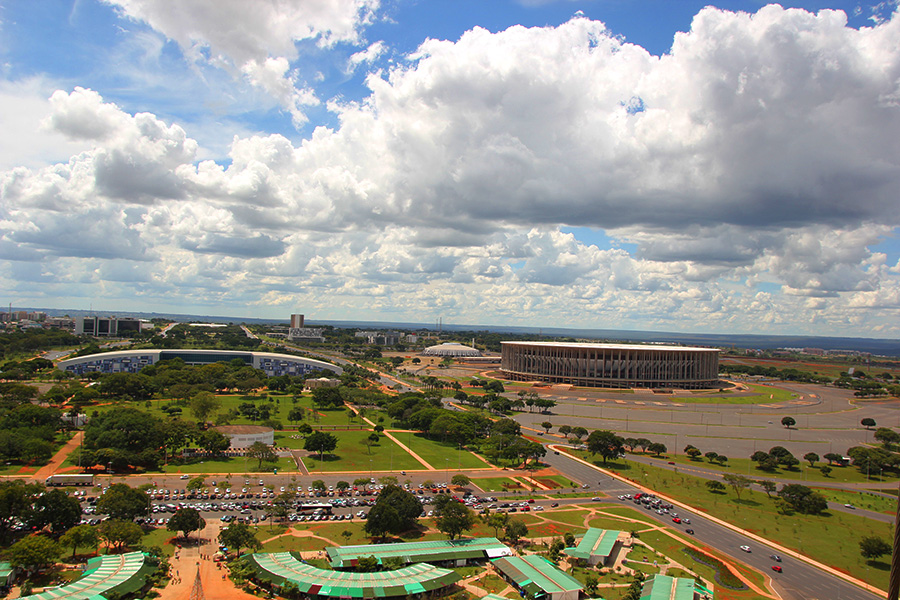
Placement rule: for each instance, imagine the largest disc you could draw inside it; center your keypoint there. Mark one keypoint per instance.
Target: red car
(676, 520)
(776, 568)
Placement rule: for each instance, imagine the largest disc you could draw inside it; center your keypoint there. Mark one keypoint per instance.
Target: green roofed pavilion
(119, 573)
(596, 546)
(433, 551)
(285, 567)
(663, 587)
(538, 577)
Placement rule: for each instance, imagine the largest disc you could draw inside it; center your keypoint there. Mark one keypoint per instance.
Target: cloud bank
(742, 179)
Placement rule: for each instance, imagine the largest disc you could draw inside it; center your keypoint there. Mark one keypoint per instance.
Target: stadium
(132, 361)
(611, 365)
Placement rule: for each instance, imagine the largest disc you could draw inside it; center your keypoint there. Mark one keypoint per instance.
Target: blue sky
(607, 163)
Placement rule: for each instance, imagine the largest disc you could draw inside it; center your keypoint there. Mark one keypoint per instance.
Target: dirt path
(59, 458)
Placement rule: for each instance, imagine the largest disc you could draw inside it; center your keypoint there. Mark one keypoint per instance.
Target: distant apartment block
(305, 334)
(296, 321)
(106, 326)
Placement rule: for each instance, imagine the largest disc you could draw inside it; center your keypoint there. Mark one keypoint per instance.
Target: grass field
(438, 455)
(831, 538)
(863, 499)
(803, 472)
(761, 394)
(232, 465)
(351, 455)
(496, 484)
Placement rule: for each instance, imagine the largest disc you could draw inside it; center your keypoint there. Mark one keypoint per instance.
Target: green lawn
(439, 455)
(496, 484)
(351, 455)
(866, 500)
(759, 394)
(803, 472)
(830, 538)
(232, 465)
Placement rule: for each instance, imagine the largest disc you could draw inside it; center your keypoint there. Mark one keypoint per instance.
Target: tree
(515, 530)
(872, 547)
(737, 482)
(711, 456)
(57, 509)
(579, 432)
(213, 441)
(888, 437)
(460, 480)
(321, 442)
(788, 422)
(692, 452)
(657, 448)
(591, 583)
(196, 483)
(118, 533)
(33, 552)
(366, 564)
(715, 486)
(812, 457)
(342, 485)
(825, 470)
(605, 443)
(547, 425)
(833, 457)
(452, 517)
(721, 459)
(803, 499)
(395, 511)
(239, 535)
(496, 521)
(565, 430)
(318, 485)
(768, 486)
(262, 453)
(203, 405)
(868, 423)
(80, 536)
(122, 502)
(186, 520)
(305, 429)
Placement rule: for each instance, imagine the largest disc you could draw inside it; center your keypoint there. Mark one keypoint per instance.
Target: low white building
(244, 436)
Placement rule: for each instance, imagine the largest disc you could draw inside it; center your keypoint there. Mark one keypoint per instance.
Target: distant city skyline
(656, 166)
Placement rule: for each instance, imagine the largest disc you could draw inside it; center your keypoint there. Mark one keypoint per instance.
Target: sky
(625, 164)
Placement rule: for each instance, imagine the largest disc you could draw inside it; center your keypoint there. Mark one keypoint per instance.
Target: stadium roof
(120, 573)
(537, 575)
(596, 542)
(660, 347)
(412, 552)
(664, 587)
(284, 567)
(451, 349)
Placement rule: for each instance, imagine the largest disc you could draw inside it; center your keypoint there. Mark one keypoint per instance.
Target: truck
(70, 479)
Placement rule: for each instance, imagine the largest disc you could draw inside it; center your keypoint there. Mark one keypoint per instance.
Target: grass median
(830, 538)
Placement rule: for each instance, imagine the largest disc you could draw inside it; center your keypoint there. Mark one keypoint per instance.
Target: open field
(496, 484)
(352, 455)
(831, 538)
(439, 455)
(232, 465)
(802, 473)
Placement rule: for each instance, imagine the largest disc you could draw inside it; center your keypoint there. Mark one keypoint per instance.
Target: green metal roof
(413, 552)
(282, 567)
(664, 587)
(596, 542)
(536, 575)
(122, 573)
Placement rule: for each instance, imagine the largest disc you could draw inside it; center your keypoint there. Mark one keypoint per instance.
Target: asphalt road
(798, 580)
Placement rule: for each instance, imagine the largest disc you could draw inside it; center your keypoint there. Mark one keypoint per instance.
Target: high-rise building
(106, 327)
(296, 321)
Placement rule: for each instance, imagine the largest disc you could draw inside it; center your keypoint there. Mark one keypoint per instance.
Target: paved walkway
(59, 458)
(187, 561)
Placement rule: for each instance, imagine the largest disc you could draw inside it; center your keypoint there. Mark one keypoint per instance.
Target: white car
(185, 476)
(745, 548)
